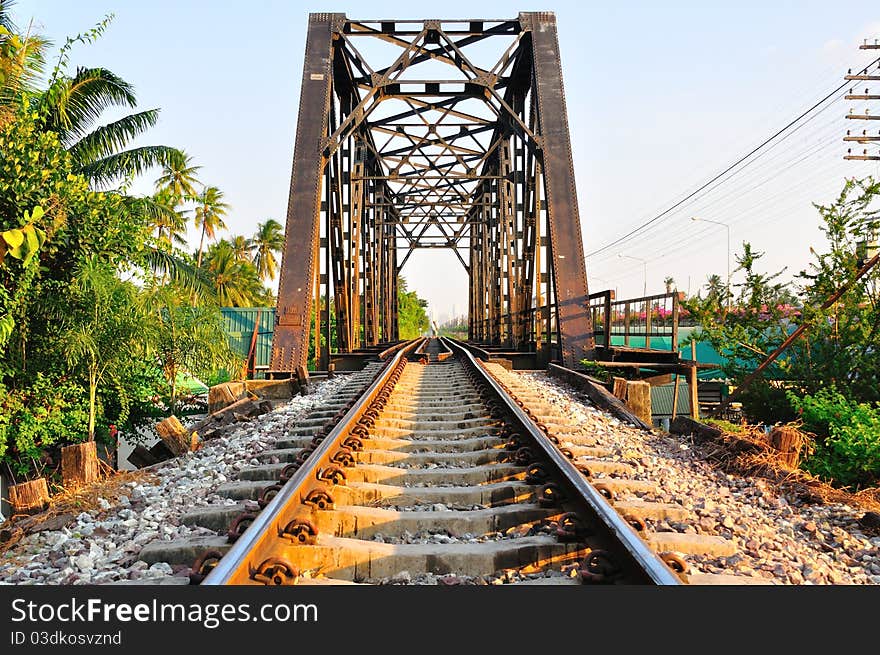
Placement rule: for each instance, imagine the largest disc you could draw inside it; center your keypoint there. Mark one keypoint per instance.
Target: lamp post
(645, 264)
(727, 227)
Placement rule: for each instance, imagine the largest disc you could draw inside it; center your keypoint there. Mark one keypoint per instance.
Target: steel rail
(237, 556)
(649, 562)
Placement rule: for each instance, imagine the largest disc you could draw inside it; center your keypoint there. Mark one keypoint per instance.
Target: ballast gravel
(777, 537)
(102, 545)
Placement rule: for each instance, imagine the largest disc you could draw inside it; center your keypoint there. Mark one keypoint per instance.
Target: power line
(728, 169)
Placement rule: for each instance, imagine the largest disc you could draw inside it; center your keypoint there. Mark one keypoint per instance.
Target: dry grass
(775, 458)
(65, 505)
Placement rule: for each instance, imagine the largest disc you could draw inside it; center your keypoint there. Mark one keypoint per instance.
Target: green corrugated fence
(239, 324)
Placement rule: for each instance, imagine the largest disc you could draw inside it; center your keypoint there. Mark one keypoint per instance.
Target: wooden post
(29, 497)
(638, 399)
(675, 311)
(675, 397)
(619, 389)
(79, 464)
(693, 383)
(607, 320)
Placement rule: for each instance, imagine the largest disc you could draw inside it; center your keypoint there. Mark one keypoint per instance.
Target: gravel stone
(117, 531)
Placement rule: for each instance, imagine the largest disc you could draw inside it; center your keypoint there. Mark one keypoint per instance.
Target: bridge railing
(646, 322)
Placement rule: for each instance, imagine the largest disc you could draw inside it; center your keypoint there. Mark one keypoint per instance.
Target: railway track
(437, 468)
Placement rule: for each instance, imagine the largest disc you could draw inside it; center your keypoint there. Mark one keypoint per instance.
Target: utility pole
(727, 227)
(645, 265)
(865, 138)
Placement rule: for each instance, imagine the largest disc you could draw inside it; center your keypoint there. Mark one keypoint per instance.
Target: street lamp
(727, 227)
(645, 264)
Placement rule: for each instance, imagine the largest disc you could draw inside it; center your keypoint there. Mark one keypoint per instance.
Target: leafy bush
(32, 419)
(766, 403)
(848, 446)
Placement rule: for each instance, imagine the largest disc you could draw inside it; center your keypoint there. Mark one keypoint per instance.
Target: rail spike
(203, 565)
(274, 571)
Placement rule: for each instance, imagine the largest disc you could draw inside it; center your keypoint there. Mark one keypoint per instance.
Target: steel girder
(423, 145)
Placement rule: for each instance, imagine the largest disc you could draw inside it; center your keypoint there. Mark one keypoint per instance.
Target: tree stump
(619, 389)
(638, 399)
(79, 464)
(219, 396)
(174, 435)
(29, 497)
(788, 441)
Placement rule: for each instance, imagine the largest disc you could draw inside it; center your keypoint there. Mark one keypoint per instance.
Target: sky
(661, 97)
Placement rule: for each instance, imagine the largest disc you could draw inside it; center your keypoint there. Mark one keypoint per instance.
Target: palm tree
(241, 248)
(670, 284)
(236, 281)
(178, 177)
(166, 218)
(72, 106)
(21, 60)
(715, 288)
(268, 240)
(209, 215)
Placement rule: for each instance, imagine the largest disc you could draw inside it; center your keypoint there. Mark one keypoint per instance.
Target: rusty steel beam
(574, 324)
(389, 161)
(298, 261)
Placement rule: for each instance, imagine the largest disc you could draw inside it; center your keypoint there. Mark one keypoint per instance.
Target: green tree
(716, 291)
(72, 107)
(236, 281)
(241, 248)
(412, 320)
(186, 338)
(179, 177)
(105, 332)
(210, 210)
(268, 240)
(22, 61)
(842, 341)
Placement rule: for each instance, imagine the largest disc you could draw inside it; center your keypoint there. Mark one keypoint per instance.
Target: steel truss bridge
(452, 134)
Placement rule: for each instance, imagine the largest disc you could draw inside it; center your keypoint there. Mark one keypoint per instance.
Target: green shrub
(768, 404)
(35, 418)
(848, 443)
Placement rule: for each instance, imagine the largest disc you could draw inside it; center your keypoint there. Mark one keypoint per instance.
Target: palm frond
(181, 273)
(113, 137)
(152, 211)
(23, 60)
(6, 15)
(76, 103)
(126, 163)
